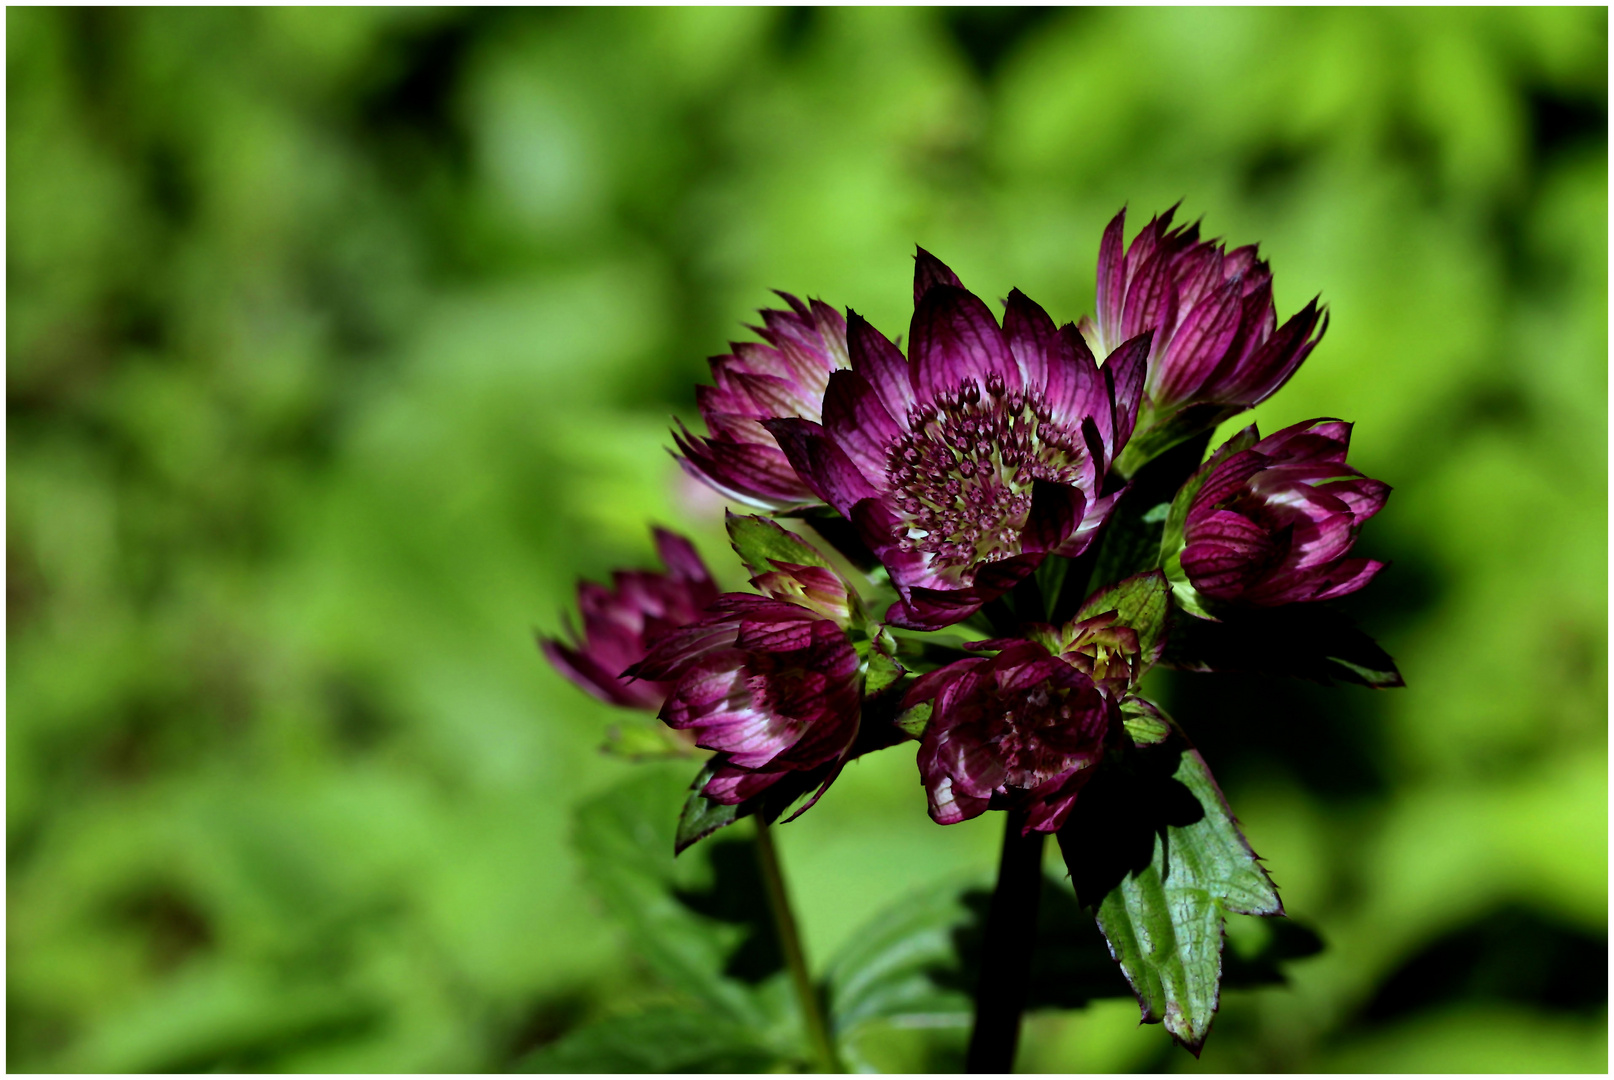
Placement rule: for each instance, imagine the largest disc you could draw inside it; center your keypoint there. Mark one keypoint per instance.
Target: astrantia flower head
(1273, 521)
(1021, 730)
(987, 448)
(771, 682)
(1217, 339)
(621, 623)
(757, 382)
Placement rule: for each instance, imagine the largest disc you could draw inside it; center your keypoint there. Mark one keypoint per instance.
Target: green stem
(784, 922)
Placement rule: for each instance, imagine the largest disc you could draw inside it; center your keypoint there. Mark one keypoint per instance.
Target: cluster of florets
(978, 485)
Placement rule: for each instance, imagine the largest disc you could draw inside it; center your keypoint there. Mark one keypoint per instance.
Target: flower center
(1037, 733)
(962, 474)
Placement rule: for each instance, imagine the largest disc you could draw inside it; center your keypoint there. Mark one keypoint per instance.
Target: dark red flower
(622, 622)
(964, 464)
(1273, 521)
(1021, 730)
(757, 382)
(1217, 338)
(769, 681)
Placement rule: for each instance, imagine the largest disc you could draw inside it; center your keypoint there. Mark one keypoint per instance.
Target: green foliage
(701, 817)
(1153, 849)
(760, 543)
(341, 342)
(700, 921)
(662, 1040)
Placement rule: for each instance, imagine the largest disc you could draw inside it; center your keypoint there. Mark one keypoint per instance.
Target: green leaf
(1153, 848)
(914, 721)
(916, 964)
(1144, 722)
(701, 817)
(880, 667)
(701, 922)
(662, 1040)
(760, 543)
(1141, 602)
(1308, 641)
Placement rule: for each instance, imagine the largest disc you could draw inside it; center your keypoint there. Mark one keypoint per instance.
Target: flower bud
(621, 623)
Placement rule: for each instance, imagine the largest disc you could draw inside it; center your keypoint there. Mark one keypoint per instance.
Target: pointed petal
(822, 464)
(1076, 390)
(882, 365)
(1030, 333)
(680, 558)
(1111, 281)
(1056, 510)
(859, 424)
(928, 272)
(1124, 372)
(1199, 344)
(758, 476)
(954, 339)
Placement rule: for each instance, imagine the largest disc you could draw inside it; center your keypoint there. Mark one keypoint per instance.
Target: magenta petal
(859, 424)
(1151, 298)
(1349, 576)
(1226, 553)
(1056, 510)
(1277, 360)
(1076, 389)
(954, 340)
(1111, 278)
(1030, 333)
(682, 561)
(822, 464)
(928, 272)
(1199, 344)
(746, 472)
(882, 365)
(1124, 372)
(600, 681)
(731, 786)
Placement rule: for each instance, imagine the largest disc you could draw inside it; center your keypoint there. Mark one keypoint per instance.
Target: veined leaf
(1153, 848)
(760, 543)
(701, 817)
(701, 922)
(916, 964)
(1141, 602)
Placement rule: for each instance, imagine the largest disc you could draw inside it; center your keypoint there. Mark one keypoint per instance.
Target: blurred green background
(341, 342)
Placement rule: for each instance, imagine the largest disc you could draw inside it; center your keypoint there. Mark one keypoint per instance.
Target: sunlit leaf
(1153, 848)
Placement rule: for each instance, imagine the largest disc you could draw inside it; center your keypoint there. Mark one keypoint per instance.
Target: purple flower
(1021, 730)
(1273, 521)
(622, 622)
(984, 450)
(770, 681)
(756, 382)
(1217, 338)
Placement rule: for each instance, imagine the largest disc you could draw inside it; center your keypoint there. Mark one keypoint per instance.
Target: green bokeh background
(342, 342)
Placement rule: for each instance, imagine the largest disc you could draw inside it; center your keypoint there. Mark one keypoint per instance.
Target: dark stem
(784, 923)
(1011, 936)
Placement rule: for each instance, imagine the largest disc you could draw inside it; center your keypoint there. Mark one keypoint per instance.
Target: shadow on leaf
(738, 896)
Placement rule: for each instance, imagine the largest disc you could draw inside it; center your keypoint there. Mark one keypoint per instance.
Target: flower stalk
(1006, 949)
(784, 923)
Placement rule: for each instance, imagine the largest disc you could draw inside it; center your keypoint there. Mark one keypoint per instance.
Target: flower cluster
(978, 474)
